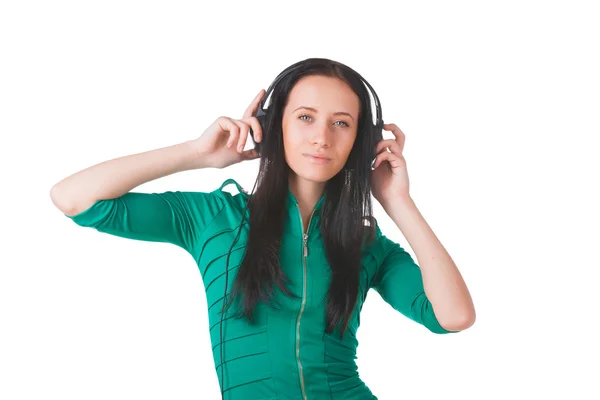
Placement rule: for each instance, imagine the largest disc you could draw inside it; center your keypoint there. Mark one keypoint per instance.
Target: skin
(320, 131)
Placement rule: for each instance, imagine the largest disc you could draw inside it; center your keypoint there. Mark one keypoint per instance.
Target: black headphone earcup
(379, 131)
(261, 120)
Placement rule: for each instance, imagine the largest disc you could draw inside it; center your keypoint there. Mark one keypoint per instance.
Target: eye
(305, 115)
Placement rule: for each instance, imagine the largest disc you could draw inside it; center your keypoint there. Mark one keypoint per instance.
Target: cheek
(292, 140)
(347, 145)
(292, 146)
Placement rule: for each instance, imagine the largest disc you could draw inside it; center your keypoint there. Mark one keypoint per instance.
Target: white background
(499, 103)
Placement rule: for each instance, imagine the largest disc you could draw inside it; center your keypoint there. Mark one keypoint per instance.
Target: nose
(321, 136)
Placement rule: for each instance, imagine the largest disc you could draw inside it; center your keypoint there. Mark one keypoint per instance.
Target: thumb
(250, 154)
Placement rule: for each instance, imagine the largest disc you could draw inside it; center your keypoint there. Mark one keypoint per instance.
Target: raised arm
(113, 178)
(399, 282)
(100, 196)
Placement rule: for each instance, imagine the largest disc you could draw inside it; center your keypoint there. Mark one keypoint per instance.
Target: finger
(392, 158)
(229, 126)
(254, 105)
(400, 136)
(256, 128)
(243, 136)
(381, 158)
(389, 143)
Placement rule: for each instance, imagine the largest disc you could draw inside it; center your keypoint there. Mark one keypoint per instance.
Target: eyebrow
(335, 113)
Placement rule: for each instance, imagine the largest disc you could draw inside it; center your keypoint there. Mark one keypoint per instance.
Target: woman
(298, 255)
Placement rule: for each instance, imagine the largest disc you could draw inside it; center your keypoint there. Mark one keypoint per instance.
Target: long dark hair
(346, 205)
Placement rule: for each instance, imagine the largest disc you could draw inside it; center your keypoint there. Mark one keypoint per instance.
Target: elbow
(57, 199)
(60, 201)
(465, 321)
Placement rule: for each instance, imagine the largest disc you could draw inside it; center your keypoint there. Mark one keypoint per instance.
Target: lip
(317, 159)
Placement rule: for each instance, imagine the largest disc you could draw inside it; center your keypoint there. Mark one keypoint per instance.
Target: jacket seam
(206, 227)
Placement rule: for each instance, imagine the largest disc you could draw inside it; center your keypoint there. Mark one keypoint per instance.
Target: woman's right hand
(222, 143)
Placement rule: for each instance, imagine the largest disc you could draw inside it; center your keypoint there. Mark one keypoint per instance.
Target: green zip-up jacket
(286, 354)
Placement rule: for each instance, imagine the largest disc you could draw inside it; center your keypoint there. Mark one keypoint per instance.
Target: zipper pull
(305, 236)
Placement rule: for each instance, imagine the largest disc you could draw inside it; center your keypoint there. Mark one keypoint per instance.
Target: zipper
(304, 255)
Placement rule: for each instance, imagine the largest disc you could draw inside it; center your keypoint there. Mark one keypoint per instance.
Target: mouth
(316, 159)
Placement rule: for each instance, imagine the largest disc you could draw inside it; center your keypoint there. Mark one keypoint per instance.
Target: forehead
(324, 93)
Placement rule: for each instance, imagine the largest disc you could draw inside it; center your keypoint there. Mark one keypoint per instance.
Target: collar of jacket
(293, 223)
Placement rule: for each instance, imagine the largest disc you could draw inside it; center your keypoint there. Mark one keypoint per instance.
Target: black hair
(346, 206)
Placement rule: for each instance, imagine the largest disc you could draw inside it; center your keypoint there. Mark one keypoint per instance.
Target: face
(320, 118)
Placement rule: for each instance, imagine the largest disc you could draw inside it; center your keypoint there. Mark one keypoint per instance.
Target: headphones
(261, 114)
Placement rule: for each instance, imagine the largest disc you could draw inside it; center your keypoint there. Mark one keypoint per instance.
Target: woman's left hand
(389, 180)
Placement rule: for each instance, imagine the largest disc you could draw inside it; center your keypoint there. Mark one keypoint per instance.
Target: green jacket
(286, 354)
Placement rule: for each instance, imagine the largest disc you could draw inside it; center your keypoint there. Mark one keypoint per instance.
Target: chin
(314, 174)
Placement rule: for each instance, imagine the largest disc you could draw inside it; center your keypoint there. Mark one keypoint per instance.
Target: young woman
(298, 255)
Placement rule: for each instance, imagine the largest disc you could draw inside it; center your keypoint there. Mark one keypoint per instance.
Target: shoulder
(205, 205)
(235, 200)
(230, 201)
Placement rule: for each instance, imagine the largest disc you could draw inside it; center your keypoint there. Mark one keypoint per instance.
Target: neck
(306, 192)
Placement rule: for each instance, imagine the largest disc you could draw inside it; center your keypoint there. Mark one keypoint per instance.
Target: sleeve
(173, 217)
(399, 282)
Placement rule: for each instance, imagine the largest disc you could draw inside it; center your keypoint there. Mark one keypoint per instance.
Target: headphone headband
(261, 108)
